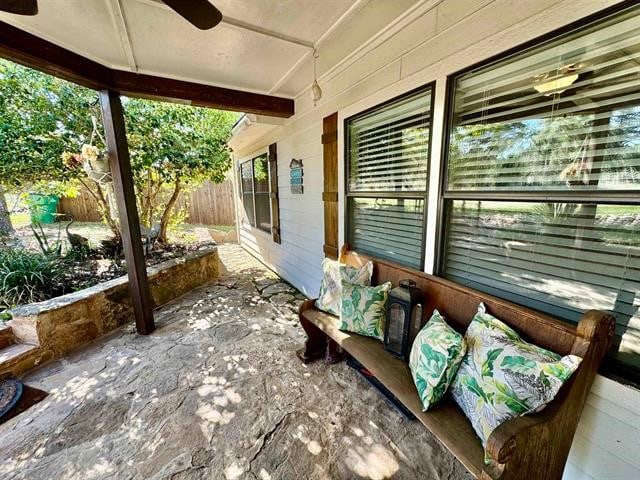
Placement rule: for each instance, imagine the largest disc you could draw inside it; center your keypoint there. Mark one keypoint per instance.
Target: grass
(222, 228)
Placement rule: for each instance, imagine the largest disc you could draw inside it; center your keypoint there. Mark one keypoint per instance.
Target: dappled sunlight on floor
(216, 392)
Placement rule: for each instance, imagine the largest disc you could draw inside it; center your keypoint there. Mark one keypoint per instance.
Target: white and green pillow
(364, 309)
(333, 274)
(434, 360)
(502, 376)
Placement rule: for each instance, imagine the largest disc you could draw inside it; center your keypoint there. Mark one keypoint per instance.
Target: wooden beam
(119, 162)
(32, 51)
(159, 88)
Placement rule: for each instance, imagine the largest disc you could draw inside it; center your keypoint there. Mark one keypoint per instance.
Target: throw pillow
(333, 273)
(364, 309)
(434, 360)
(502, 376)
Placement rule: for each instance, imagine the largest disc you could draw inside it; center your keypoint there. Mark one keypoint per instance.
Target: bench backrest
(459, 304)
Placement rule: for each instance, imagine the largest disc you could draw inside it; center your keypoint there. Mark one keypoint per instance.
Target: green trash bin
(43, 208)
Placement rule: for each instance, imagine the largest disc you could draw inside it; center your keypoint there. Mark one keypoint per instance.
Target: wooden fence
(211, 204)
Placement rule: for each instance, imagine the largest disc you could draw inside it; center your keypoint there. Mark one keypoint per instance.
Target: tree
(173, 147)
(41, 117)
(6, 229)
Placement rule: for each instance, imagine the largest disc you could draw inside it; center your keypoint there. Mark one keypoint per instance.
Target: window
(387, 153)
(542, 201)
(255, 192)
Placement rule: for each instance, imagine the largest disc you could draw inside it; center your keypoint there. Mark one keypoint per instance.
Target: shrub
(27, 277)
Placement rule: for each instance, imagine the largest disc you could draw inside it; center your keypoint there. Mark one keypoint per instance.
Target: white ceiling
(262, 45)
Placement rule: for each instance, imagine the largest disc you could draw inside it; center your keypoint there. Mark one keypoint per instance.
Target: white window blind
(543, 178)
(387, 173)
(388, 148)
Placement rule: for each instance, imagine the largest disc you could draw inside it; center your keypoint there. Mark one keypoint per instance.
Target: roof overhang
(32, 51)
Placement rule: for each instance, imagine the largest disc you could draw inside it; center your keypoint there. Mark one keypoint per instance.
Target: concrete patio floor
(216, 392)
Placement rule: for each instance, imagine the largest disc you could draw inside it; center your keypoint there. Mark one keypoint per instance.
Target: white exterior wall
(434, 40)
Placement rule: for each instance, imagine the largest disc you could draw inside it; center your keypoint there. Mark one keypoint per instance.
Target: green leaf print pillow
(333, 273)
(502, 376)
(364, 309)
(434, 360)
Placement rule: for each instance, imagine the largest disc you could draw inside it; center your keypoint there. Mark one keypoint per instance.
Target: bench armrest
(550, 432)
(306, 305)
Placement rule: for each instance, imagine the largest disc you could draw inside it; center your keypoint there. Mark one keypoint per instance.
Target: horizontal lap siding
(443, 40)
(297, 259)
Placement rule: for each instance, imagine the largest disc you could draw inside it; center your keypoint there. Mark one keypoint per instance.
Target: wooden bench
(534, 446)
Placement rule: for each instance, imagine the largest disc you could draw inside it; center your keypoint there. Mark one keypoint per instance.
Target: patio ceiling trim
(35, 52)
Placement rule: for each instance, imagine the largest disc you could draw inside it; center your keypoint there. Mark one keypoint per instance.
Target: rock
(217, 235)
(231, 236)
(215, 392)
(262, 283)
(281, 299)
(277, 288)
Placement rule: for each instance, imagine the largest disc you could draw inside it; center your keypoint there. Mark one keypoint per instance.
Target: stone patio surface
(216, 392)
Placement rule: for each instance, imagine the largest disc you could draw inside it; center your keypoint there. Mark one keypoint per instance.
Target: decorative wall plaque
(296, 176)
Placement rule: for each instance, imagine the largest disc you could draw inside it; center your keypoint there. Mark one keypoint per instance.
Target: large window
(254, 176)
(542, 193)
(387, 176)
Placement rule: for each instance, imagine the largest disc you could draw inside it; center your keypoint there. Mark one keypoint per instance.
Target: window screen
(543, 178)
(387, 173)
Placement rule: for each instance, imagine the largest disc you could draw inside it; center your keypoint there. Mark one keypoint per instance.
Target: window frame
(349, 195)
(245, 220)
(446, 197)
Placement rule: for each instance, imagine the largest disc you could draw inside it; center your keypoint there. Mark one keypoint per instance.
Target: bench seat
(446, 421)
(534, 446)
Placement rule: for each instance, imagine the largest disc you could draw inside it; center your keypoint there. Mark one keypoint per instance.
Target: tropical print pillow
(434, 359)
(502, 376)
(364, 309)
(333, 273)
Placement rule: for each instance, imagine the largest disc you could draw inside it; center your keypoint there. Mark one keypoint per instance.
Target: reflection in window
(558, 127)
(263, 203)
(387, 173)
(256, 201)
(247, 192)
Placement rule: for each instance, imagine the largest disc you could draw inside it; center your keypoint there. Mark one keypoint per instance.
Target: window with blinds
(387, 176)
(261, 192)
(254, 183)
(542, 194)
(246, 183)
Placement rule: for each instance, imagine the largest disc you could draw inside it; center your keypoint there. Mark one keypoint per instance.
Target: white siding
(436, 40)
(297, 259)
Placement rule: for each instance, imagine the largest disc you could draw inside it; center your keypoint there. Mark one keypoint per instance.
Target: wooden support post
(118, 150)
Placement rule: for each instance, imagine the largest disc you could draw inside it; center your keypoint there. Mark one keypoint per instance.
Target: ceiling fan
(199, 13)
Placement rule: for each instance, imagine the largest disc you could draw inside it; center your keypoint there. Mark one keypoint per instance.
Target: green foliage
(48, 247)
(42, 116)
(177, 142)
(27, 277)
(173, 147)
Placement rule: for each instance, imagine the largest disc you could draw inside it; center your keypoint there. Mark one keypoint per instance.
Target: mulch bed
(96, 267)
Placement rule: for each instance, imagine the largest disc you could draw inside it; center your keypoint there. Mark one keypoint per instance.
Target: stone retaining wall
(65, 323)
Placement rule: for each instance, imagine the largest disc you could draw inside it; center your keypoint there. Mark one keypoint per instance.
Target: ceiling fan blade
(19, 7)
(198, 12)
